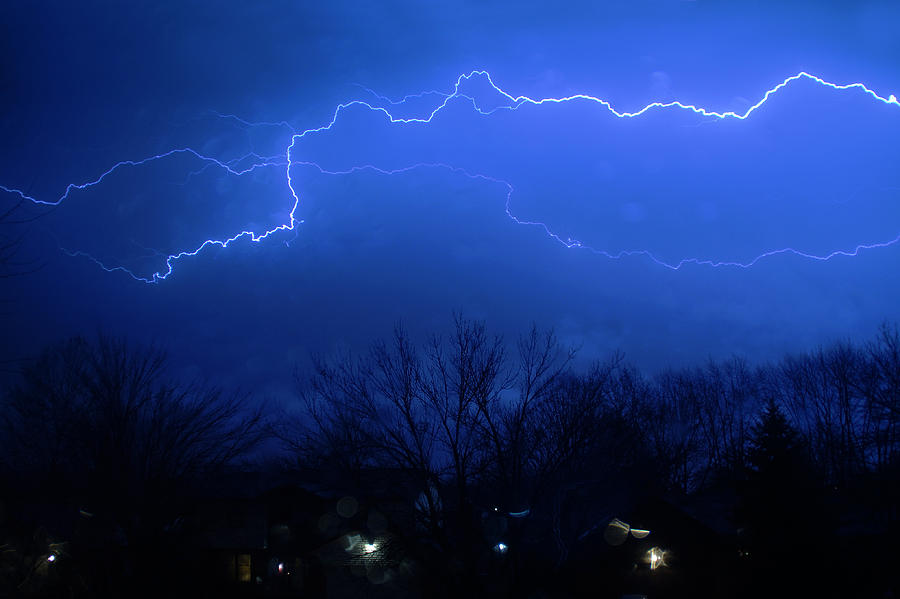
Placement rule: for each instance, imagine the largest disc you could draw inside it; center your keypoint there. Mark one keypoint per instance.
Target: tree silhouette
(101, 437)
(464, 422)
(108, 410)
(12, 217)
(775, 446)
(781, 512)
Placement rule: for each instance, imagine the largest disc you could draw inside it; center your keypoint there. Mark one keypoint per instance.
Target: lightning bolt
(253, 162)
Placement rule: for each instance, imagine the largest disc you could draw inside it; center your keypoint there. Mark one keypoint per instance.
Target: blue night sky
(86, 85)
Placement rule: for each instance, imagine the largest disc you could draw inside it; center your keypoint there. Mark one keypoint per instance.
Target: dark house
(659, 548)
(267, 535)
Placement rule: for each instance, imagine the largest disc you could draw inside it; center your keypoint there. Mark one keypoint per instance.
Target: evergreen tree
(783, 524)
(775, 447)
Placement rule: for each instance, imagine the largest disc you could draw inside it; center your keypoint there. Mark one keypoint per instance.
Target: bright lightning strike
(254, 162)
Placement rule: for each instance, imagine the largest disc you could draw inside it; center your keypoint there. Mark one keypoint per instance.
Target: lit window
(243, 564)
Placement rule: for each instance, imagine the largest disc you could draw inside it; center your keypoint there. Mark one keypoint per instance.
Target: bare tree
(418, 411)
(104, 422)
(729, 395)
(820, 390)
(879, 384)
(676, 430)
(514, 432)
(463, 381)
(12, 237)
(14, 218)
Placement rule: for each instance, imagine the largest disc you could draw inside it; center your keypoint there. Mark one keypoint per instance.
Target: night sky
(88, 84)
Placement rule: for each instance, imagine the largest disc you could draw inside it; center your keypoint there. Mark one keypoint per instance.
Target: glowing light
(370, 547)
(501, 547)
(281, 568)
(252, 162)
(51, 558)
(657, 558)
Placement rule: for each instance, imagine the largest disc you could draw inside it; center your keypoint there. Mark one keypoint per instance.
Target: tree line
(476, 424)
(466, 408)
(521, 429)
